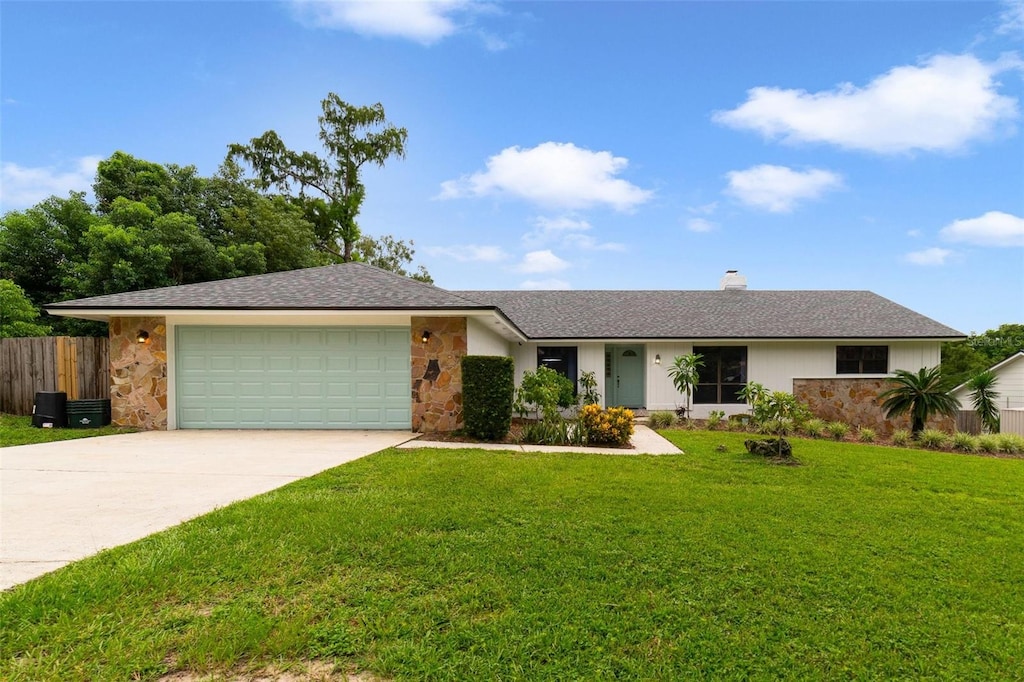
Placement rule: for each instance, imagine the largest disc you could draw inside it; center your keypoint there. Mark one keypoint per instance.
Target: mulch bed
(513, 437)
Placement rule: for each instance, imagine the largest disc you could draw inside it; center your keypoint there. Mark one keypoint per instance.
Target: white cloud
(700, 225)
(914, 233)
(552, 174)
(22, 187)
(932, 256)
(703, 209)
(778, 188)
(995, 228)
(566, 231)
(940, 105)
(422, 21)
(541, 261)
(468, 252)
(547, 230)
(588, 243)
(1011, 19)
(545, 284)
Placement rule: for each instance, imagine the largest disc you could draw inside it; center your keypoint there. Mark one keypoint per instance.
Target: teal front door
(626, 382)
(293, 377)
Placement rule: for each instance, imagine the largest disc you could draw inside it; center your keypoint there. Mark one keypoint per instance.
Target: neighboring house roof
(710, 314)
(996, 368)
(570, 314)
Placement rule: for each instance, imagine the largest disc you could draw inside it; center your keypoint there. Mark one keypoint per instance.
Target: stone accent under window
(437, 373)
(855, 401)
(138, 373)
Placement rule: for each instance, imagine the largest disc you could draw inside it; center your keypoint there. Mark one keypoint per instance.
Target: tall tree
(330, 189)
(921, 395)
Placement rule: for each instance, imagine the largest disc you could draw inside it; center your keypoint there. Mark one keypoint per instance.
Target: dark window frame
(562, 359)
(723, 375)
(862, 359)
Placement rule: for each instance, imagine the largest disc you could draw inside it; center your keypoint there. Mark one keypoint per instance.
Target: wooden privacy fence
(79, 366)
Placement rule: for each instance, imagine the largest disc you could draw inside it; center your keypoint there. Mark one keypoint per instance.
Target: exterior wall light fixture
(142, 336)
(657, 358)
(426, 336)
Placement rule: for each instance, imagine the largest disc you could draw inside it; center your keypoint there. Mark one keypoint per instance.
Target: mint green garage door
(292, 377)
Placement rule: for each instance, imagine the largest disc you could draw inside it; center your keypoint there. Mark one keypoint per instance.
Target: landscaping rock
(769, 447)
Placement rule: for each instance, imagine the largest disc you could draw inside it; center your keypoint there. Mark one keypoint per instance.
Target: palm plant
(685, 373)
(983, 397)
(921, 395)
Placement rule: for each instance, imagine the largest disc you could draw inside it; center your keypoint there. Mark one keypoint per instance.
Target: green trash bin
(88, 414)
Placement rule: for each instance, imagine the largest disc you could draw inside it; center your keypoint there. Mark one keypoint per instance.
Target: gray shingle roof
(709, 314)
(349, 286)
(594, 314)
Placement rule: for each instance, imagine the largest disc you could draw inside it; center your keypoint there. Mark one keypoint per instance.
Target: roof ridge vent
(733, 281)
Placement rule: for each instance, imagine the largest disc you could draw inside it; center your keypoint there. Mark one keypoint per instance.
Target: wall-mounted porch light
(425, 336)
(142, 336)
(657, 358)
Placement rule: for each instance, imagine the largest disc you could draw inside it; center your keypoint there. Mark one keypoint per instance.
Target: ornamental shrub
(901, 437)
(866, 435)
(989, 443)
(613, 426)
(661, 419)
(544, 393)
(1011, 443)
(837, 430)
(715, 418)
(965, 442)
(933, 439)
(488, 382)
(814, 427)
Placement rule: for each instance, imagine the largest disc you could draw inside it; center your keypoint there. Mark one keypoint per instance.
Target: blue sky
(622, 145)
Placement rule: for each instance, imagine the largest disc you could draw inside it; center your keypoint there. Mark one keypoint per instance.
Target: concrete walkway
(645, 442)
(63, 501)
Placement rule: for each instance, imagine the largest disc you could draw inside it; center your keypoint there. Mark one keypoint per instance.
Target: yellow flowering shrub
(613, 426)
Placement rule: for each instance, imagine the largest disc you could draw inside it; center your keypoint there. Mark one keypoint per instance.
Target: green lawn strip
(864, 562)
(19, 431)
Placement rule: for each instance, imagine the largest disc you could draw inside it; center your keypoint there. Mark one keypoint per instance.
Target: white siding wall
(661, 394)
(590, 358)
(482, 341)
(775, 364)
(1009, 386)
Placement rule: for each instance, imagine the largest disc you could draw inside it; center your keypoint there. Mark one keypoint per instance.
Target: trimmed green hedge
(488, 382)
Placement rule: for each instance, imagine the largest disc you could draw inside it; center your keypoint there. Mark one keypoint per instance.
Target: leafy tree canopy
(158, 225)
(18, 317)
(328, 187)
(962, 360)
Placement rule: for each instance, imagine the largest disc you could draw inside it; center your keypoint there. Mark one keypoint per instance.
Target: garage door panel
(280, 389)
(293, 377)
(309, 364)
(250, 363)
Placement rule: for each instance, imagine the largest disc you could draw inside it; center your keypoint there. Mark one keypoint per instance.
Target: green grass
(867, 562)
(19, 431)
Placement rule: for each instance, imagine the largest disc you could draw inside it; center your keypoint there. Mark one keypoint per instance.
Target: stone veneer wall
(138, 373)
(437, 373)
(855, 401)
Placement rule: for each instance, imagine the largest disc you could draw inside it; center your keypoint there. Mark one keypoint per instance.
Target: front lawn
(19, 431)
(864, 563)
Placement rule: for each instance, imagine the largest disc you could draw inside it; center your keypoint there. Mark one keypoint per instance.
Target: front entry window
(723, 375)
(562, 359)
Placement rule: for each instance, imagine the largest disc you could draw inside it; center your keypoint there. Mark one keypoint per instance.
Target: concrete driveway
(60, 502)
